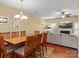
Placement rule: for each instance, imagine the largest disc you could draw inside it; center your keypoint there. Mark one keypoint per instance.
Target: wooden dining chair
(15, 34)
(36, 32)
(6, 35)
(38, 44)
(2, 48)
(22, 33)
(27, 50)
(5, 51)
(44, 41)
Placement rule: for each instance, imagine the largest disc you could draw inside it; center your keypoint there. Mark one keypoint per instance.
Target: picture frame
(3, 19)
(15, 25)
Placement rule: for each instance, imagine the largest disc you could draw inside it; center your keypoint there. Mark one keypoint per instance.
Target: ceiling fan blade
(68, 15)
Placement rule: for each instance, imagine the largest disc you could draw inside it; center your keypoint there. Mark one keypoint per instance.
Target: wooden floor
(62, 52)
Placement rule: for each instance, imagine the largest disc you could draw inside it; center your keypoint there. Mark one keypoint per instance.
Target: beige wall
(58, 20)
(31, 24)
(78, 31)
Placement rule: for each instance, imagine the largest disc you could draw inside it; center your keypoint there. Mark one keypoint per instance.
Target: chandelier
(21, 15)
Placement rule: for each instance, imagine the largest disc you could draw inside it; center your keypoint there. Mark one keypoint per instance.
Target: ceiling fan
(65, 14)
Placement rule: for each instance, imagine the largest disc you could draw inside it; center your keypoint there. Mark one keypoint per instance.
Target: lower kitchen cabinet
(64, 40)
(69, 41)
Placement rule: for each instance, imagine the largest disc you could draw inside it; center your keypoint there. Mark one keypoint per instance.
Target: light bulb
(24, 17)
(63, 16)
(0, 19)
(17, 16)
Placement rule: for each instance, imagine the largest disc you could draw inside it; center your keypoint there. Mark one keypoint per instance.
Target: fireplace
(65, 32)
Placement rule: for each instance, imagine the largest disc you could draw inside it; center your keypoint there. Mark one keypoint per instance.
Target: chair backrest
(14, 34)
(44, 37)
(36, 32)
(6, 35)
(38, 41)
(2, 47)
(29, 45)
(22, 33)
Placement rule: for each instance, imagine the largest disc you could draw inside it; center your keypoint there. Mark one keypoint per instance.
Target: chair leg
(40, 53)
(1, 55)
(43, 50)
(13, 55)
(34, 54)
(46, 47)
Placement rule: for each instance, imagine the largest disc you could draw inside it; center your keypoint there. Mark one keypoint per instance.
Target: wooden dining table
(15, 41)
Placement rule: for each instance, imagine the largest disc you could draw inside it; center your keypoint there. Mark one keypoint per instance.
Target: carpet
(48, 53)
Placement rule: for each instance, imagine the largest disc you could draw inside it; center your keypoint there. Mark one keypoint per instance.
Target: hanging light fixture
(62, 15)
(21, 15)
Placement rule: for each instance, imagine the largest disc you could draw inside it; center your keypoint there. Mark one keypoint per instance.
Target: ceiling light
(63, 16)
(0, 19)
(21, 15)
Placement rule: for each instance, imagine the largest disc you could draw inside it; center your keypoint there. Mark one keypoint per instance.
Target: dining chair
(27, 50)
(6, 35)
(22, 33)
(38, 45)
(5, 51)
(15, 34)
(44, 41)
(36, 32)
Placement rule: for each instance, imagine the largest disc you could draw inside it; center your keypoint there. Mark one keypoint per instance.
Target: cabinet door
(65, 40)
(73, 42)
(53, 38)
(49, 38)
(69, 41)
(57, 39)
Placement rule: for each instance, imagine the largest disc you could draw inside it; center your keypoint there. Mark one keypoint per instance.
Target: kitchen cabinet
(57, 39)
(64, 40)
(69, 41)
(52, 38)
(73, 41)
(49, 38)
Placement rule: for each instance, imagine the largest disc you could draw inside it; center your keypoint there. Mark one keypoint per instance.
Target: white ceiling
(44, 8)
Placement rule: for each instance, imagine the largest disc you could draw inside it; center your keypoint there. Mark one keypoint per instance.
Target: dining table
(15, 41)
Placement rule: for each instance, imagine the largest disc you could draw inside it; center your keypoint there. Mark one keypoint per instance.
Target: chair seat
(20, 50)
(10, 48)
